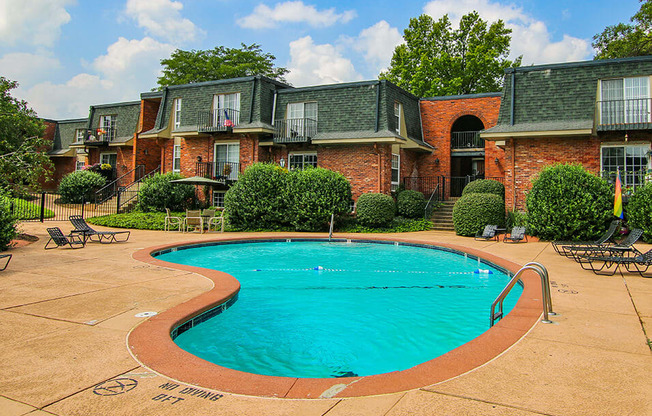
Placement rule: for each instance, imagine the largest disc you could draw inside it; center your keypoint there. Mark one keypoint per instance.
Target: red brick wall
(62, 167)
(148, 112)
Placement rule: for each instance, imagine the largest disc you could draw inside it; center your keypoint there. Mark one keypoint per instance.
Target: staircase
(442, 218)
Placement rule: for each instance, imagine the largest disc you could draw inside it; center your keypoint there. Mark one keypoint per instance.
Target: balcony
(222, 119)
(99, 137)
(466, 140)
(294, 130)
(226, 171)
(630, 114)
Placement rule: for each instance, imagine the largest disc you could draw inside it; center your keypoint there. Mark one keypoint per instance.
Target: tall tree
(438, 60)
(23, 160)
(624, 40)
(184, 67)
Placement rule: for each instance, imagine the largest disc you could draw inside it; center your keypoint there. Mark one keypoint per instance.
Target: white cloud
(312, 64)
(530, 37)
(264, 17)
(377, 44)
(34, 22)
(28, 68)
(162, 19)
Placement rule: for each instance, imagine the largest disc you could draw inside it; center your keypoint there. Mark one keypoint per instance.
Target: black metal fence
(446, 186)
(45, 206)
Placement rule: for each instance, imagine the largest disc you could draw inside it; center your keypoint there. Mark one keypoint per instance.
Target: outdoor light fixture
(199, 158)
(282, 162)
(497, 161)
(437, 161)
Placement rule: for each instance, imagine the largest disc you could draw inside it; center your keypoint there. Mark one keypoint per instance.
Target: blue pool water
(319, 309)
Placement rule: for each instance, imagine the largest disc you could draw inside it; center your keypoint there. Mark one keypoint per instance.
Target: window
(301, 119)
(176, 158)
(177, 112)
(302, 160)
(226, 110)
(80, 135)
(227, 160)
(625, 100)
(396, 170)
(108, 127)
(630, 160)
(218, 199)
(398, 109)
(79, 165)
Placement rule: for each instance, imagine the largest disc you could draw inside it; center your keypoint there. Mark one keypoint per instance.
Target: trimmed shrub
(568, 203)
(7, 224)
(473, 211)
(639, 211)
(484, 186)
(410, 204)
(313, 195)
(375, 210)
(80, 186)
(157, 193)
(258, 200)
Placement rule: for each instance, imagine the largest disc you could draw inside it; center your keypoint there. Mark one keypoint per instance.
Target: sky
(69, 54)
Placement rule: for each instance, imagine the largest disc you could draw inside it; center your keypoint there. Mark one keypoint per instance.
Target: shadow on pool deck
(65, 316)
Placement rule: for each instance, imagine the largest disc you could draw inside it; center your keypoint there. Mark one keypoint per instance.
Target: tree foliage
(625, 40)
(23, 160)
(438, 60)
(184, 67)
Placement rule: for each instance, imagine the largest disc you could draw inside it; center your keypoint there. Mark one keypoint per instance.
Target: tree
(624, 40)
(437, 60)
(23, 160)
(184, 67)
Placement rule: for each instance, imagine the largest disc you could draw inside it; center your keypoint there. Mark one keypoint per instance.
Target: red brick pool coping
(151, 344)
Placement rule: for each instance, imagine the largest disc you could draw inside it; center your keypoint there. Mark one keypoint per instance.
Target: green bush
(516, 219)
(484, 186)
(258, 200)
(397, 225)
(80, 186)
(473, 211)
(568, 203)
(157, 193)
(7, 224)
(639, 211)
(314, 194)
(410, 204)
(375, 210)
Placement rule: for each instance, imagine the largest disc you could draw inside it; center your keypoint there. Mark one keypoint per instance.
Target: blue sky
(69, 54)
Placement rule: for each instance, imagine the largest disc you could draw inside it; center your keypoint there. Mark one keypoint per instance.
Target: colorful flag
(618, 200)
(227, 120)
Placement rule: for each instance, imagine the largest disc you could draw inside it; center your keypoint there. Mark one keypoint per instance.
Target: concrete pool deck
(66, 315)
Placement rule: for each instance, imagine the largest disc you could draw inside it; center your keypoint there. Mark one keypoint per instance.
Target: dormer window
(80, 135)
(226, 110)
(301, 119)
(177, 113)
(625, 100)
(107, 128)
(398, 111)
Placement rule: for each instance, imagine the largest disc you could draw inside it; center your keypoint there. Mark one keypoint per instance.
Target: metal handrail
(124, 201)
(425, 210)
(545, 291)
(330, 231)
(105, 193)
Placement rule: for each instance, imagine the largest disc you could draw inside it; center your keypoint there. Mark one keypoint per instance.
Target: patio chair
(105, 237)
(172, 222)
(193, 221)
(623, 249)
(489, 233)
(516, 235)
(605, 240)
(638, 264)
(60, 240)
(5, 256)
(216, 220)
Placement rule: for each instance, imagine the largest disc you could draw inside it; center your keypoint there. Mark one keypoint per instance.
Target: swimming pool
(320, 309)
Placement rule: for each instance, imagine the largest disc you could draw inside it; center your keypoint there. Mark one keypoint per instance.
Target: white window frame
(396, 167)
(302, 155)
(627, 177)
(296, 115)
(628, 105)
(177, 112)
(79, 164)
(231, 156)
(176, 158)
(222, 102)
(398, 111)
(107, 155)
(109, 123)
(218, 199)
(80, 135)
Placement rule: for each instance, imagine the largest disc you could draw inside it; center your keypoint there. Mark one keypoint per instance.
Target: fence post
(117, 202)
(42, 206)
(83, 204)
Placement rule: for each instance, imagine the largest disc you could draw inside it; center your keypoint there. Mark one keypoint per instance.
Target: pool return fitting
(545, 291)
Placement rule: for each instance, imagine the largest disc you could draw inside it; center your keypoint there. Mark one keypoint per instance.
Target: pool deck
(66, 316)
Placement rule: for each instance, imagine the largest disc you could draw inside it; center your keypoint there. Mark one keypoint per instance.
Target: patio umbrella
(618, 199)
(198, 180)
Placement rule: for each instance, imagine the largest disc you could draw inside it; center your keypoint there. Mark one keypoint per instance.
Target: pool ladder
(545, 291)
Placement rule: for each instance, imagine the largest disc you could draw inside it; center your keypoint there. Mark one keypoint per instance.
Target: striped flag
(227, 120)
(618, 200)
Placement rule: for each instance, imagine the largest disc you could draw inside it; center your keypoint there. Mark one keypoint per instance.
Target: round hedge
(472, 212)
(639, 211)
(80, 186)
(568, 203)
(410, 204)
(157, 193)
(484, 186)
(375, 210)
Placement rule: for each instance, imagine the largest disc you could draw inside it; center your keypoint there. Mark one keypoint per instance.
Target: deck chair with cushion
(5, 256)
(623, 249)
(516, 235)
(60, 240)
(88, 233)
(172, 222)
(193, 221)
(638, 264)
(489, 233)
(215, 221)
(605, 240)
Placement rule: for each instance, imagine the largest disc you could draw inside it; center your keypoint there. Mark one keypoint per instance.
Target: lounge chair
(515, 236)
(172, 222)
(638, 264)
(604, 240)
(623, 249)
(193, 221)
(105, 237)
(60, 240)
(5, 256)
(215, 220)
(489, 233)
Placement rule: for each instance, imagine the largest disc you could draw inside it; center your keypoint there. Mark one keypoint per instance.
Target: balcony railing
(100, 136)
(294, 130)
(625, 114)
(218, 170)
(221, 119)
(466, 140)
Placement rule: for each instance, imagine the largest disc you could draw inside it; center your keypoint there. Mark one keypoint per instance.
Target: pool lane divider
(151, 343)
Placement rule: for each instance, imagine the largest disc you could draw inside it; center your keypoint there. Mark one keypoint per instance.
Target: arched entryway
(467, 153)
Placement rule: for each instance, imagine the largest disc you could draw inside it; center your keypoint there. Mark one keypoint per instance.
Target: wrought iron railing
(466, 140)
(294, 130)
(109, 190)
(630, 180)
(100, 136)
(444, 185)
(632, 111)
(221, 119)
(218, 170)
